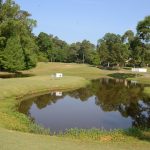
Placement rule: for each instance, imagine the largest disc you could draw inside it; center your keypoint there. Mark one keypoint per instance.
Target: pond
(104, 104)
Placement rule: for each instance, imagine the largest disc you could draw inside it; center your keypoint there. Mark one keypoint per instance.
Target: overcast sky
(75, 20)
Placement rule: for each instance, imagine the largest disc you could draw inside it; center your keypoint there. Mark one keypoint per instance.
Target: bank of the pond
(16, 140)
(11, 89)
(143, 80)
(147, 90)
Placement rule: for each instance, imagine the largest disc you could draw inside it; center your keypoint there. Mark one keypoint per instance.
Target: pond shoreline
(92, 104)
(20, 87)
(9, 102)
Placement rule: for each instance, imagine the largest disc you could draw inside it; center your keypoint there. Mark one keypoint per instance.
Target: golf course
(18, 131)
(74, 75)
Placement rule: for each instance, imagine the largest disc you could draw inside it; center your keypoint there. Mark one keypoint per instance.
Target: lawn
(13, 140)
(71, 69)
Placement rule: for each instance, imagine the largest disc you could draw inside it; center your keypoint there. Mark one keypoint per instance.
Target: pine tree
(13, 58)
(16, 39)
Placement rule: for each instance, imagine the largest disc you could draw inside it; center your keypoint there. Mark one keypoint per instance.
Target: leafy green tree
(17, 24)
(53, 48)
(86, 47)
(111, 38)
(13, 58)
(44, 42)
(44, 45)
(128, 36)
(137, 49)
(147, 55)
(60, 50)
(94, 58)
(119, 54)
(103, 52)
(73, 52)
(143, 32)
(29, 49)
(143, 29)
(112, 50)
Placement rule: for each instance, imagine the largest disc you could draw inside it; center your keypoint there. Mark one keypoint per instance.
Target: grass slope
(71, 69)
(12, 140)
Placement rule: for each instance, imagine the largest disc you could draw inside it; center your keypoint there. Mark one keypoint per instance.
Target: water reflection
(58, 94)
(105, 103)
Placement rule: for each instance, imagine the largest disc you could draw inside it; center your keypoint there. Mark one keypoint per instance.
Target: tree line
(20, 49)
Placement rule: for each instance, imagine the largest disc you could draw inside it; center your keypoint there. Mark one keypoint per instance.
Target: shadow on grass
(15, 75)
(123, 75)
(138, 133)
(127, 68)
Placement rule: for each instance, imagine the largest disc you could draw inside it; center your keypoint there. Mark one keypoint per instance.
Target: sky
(76, 20)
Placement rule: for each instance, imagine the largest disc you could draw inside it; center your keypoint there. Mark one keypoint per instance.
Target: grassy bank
(144, 79)
(16, 140)
(147, 90)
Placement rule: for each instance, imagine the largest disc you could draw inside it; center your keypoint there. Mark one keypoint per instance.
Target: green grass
(71, 69)
(75, 76)
(112, 135)
(147, 90)
(12, 140)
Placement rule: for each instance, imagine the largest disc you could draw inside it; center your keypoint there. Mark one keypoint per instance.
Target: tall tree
(112, 50)
(73, 52)
(13, 58)
(16, 23)
(44, 42)
(143, 32)
(85, 50)
(143, 29)
(29, 50)
(119, 54)
(103, 52)
(128, 36)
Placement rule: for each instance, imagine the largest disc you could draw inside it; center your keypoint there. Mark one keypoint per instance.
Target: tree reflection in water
(110, 95)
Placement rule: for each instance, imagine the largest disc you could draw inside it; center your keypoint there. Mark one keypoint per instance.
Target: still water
(105, 104)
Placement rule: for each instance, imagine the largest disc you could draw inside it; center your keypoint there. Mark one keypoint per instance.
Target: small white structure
(139, 70)
(58, 93)
(59, 75)
(134, 82)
